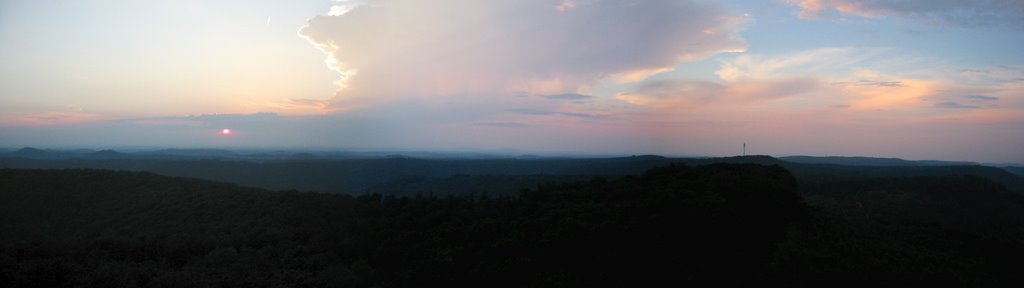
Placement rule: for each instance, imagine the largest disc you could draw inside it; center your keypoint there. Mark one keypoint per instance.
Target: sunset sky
(916, 79)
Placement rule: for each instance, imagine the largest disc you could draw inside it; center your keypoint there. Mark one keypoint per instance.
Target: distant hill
(871, 161)
(189, 153)
(751, 159)
(259, 154)
(811, 174)
(90, 228)
(354, 176)
(1019, 170)
(33, 153)
(408, 176)
(668, 226)
(108, 154)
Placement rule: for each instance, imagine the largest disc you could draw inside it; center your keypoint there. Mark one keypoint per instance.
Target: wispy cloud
(982, 97)
(954, 105)
(948, 12)
(503, 124)
(877, 83)
(830, 60)
(867, 79)
(675, 92)
(50, 118)
(568, 96)
(528, 111)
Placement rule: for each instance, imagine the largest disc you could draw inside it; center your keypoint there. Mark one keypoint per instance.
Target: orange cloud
(679, 93)
(965, 13)
(811, 8)
(51, 118)
(890, 94)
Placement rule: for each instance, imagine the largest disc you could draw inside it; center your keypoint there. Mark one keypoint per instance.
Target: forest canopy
(671, 225)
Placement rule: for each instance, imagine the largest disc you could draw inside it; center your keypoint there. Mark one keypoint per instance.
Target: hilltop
(404, 175)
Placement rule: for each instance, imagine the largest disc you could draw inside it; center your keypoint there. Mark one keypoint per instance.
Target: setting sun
(225, 131)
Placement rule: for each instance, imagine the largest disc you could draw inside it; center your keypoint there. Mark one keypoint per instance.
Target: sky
(914, 79)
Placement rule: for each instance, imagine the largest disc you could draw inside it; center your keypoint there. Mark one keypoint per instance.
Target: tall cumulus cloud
(393, 49)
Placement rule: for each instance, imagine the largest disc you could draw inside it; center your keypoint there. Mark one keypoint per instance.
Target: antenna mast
(744, 148)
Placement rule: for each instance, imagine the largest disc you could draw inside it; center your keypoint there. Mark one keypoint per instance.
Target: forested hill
(677, 225)
(410, 176)
(811, 175)
(872, 161)
(356, 176)
(1019, 170)
(670, 226)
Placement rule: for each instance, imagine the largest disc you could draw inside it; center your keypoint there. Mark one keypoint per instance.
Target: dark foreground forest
(676, 225)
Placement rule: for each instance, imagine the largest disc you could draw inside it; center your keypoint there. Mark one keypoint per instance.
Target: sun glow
(225, 131)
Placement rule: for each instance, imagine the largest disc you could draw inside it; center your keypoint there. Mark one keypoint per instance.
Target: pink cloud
(410, 48)
(954, 12)
(673, 93)
(50, 118)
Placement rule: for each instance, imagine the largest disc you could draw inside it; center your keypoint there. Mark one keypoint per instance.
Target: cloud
(811, 8)
(503, 124)
(313, 103)
(161, 121)
(909, 94)
(774, 89)
(878, 83)
(568, 96)
(948, 12)
(996, 75)
(674, 92)
(398, 49)
(534, 112)
(872, 84)
(810, 62)
(982, 97)
(954, 105)
(863, 79)
(50, 118)
(343, 6)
